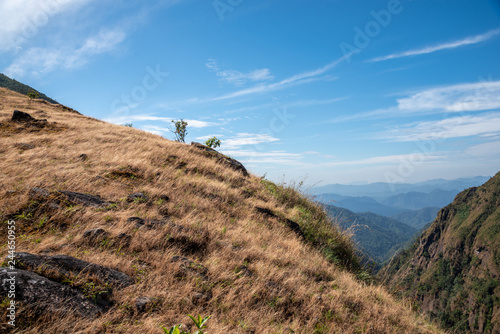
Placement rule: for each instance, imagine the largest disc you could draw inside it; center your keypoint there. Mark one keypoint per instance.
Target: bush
(213, 142)
(33, 94)
(180, 130)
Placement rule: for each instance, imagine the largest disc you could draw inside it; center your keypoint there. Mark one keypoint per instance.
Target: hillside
(377, 236)
(122, 231)
(453, 270)
(417, 218)
(21, 88)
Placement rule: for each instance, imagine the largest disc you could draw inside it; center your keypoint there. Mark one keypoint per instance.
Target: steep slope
(122, 231)
(21, 88)
(453, 270)
(378, 236)
(417, 218)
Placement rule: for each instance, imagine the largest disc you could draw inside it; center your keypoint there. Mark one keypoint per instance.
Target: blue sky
(333, 91)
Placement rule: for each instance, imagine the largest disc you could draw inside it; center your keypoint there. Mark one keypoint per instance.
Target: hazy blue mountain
(383, 190)
(414, 200)
(359, 204)
(377, 236)
(417, 218)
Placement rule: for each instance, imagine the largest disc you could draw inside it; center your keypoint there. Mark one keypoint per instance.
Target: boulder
(24, 146)
(67, 266)
(143, 304)
(221, 158)
(85, 199)
(20, 116)
(44, 295)
(95, 235)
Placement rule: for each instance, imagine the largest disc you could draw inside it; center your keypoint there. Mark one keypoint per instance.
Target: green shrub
(213, 142)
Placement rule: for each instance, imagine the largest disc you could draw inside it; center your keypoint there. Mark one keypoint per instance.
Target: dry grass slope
(260, 276)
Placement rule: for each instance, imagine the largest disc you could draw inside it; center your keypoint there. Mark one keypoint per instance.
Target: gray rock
(83, 157)
(85, 199)
(147, 223)
(20, 116)
(24, 146)
(44, 295)
(38, 193)
(137, 197)
(142, 304)
(221, 158)
(95, 235)
(122, 240)
(68, 266)
(201, 298)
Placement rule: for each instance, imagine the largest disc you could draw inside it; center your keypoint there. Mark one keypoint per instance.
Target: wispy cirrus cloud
(238, 78)
(475, 96)
(144, 118)
(487, 125)
(442, 46)
(459, 98)
(245, 139)
(38, 60)
(22, 20)
(301, 78)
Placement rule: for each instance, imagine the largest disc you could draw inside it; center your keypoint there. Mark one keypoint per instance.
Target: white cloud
(236, 77)
(38, 60)
(464, 126)
(144, 118)
(243, 139)
(157, 130)
(459, 98)
(490, 150)
(297, 79)
(476, 96)
(22, 19)
(443, 46)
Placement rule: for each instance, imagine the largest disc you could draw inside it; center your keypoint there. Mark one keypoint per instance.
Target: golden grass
(293, 285)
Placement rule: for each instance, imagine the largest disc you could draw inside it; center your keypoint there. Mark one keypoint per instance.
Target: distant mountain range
(377, 236)
(21, 88)
(384, 190)
(382, 225)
